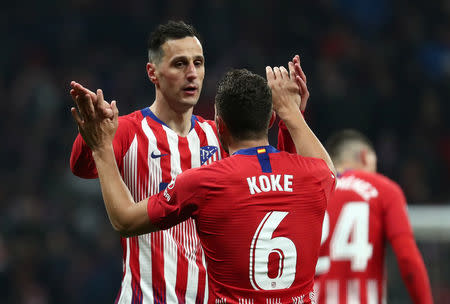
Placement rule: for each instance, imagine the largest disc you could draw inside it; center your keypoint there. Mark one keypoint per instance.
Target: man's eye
(198, 62)
(179, 64)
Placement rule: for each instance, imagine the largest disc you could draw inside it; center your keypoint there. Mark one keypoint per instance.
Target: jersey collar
(148, 113)
(256, 150)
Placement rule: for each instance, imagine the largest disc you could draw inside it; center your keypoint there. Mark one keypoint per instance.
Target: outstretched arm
(98, 131)
(81, 162)
(286, 101)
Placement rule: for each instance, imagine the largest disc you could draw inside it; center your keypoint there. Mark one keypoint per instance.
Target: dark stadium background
(380, 66)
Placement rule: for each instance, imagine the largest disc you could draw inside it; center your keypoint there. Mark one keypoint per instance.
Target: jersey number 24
(350, 239)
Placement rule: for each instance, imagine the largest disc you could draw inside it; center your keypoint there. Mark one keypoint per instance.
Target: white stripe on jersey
(353, 292)
(206, 279)
(332, 292)
(246, 301)
(128, 169)
(316, 292)
(372, 292)
(194, 144)
(145, 268)
(126, 293)
(212, 140)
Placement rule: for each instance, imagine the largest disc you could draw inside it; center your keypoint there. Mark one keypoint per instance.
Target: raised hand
(285, 90)
(96, 129)
(82, 93)
(301, 81)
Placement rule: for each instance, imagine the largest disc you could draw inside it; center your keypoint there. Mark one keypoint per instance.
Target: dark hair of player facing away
(172, 30)
(339, 143)
(244, 101)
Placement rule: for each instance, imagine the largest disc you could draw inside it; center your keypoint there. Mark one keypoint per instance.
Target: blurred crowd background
(379, 66)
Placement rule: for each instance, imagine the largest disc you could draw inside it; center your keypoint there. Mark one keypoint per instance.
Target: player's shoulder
(202, 177)
(380, 181)
(133, 118)
(202, 120)
(311, 164)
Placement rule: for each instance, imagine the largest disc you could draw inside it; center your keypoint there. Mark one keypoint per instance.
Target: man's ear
(363, 157)
(151, 72)
(272, 119)
(220, 124)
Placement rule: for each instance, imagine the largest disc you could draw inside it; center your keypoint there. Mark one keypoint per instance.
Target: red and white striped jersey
(165, 266)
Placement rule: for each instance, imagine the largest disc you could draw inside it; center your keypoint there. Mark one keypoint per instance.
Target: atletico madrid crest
(206, 152)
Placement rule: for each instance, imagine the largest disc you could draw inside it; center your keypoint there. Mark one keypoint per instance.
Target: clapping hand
(97, 120)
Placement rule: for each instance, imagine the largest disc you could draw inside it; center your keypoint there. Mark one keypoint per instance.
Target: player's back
(261, 224)
(357, 224)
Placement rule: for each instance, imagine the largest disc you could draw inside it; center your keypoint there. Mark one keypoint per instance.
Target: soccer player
(366, 211)
(258, 212)
(151, 147)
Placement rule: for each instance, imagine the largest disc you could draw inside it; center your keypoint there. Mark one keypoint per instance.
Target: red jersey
(259, 217)
(165, 266)
(365, 211)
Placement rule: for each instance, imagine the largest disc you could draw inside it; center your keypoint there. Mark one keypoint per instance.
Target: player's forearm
(126, 216)
(306, 142)
(412, 269)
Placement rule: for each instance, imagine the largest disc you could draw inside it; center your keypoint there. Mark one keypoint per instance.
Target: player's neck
(347, 166)
(237, 145)
(178, 121)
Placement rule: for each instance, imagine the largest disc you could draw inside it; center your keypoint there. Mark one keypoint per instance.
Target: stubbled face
(179, 75)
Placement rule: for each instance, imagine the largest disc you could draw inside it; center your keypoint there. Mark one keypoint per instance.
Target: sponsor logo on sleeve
(169, 187)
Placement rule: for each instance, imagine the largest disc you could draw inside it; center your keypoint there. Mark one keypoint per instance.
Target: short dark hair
(340, 143)
(244, 101)
(170, 30)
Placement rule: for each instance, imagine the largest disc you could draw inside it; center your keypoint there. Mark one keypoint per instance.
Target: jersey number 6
(264, 248)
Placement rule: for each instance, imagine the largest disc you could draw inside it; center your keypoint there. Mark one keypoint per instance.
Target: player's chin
(190, 100)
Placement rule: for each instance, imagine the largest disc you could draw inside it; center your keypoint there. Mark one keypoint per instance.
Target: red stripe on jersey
(182, 264)
(158, 279)
(123, 243)
(185, 153)
(201, 276)
(201, 135)
(363, 290)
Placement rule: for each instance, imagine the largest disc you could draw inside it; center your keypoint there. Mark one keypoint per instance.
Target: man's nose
(191, 71)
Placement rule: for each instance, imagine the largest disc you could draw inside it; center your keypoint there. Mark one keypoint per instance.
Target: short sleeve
(285, 142)
(177, 202)
(81, 162)
(395, 211)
